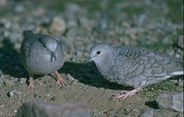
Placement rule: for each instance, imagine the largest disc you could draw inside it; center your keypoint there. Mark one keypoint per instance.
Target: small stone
(9, 83)
(48, 109)
(57, 26)
(53, 98)
(3, 3)
(70, 77)
(17, 92)
(19, 8)
(11, 94)
(39, 12)
(171, 101)
(35, 95)
(147, 113)
(126, 24)
(75, 83)
(7, 25)
(22, 80)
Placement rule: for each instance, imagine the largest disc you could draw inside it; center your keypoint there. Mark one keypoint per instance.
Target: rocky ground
(79, 24)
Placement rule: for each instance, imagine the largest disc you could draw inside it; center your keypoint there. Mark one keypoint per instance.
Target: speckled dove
(40, 55)
(134, 66)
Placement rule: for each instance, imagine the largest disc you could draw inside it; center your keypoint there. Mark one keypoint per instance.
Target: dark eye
(98, 52)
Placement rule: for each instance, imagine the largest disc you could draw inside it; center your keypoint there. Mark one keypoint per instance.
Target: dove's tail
(27, 33)
(177, 73)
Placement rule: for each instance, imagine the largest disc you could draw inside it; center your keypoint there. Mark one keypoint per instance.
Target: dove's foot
(60, 80)
(127, 94)
(31, 86)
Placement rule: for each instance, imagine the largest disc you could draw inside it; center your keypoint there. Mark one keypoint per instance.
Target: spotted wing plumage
(139, 67)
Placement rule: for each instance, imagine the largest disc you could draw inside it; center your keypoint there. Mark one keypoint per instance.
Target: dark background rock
(172, 101)
(46, 109)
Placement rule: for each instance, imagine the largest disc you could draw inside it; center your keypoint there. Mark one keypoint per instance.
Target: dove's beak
(88, 60)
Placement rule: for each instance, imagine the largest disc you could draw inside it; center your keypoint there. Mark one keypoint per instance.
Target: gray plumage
(41, 54)
(133, 66)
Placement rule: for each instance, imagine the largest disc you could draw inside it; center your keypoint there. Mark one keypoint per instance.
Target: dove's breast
(38, 60)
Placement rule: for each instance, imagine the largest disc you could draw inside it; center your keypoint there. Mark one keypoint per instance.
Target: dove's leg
(127, 94)
(31, 86)
(60, 80)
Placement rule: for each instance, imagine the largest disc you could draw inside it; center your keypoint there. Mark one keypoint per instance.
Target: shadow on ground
(9, 61)
(89, 75)
(152, 104)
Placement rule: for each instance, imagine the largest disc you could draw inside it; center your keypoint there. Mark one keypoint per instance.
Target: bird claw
(126, 94)
(60, 81)
(31, 86)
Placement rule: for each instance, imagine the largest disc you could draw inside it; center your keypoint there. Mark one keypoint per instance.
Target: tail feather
(177, 73)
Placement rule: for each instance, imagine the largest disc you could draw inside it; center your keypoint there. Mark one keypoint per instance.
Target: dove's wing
(139, 67)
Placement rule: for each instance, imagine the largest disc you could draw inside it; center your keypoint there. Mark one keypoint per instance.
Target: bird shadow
(152, 104)
(10, 60)
(89, 75)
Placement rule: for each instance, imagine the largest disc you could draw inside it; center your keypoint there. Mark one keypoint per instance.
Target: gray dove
(40, 55)
(133, 66)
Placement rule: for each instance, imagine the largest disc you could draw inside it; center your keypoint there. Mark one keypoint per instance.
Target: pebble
(126, 24)
(7, 24)
(18, 92)
(39, 12)
(19, 8)
(22, 80)
(48, 109)
(11, 94)
(57, 26)
(171, 101)
(70, 77)
(35, 95)
(75, 83)
(9, 83)
(3, 3)
(53, 98)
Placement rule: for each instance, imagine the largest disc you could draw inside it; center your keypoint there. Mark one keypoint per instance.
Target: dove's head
(49, 42)
(102, 54)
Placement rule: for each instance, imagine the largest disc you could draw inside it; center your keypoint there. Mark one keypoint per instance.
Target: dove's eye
(98, 52)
